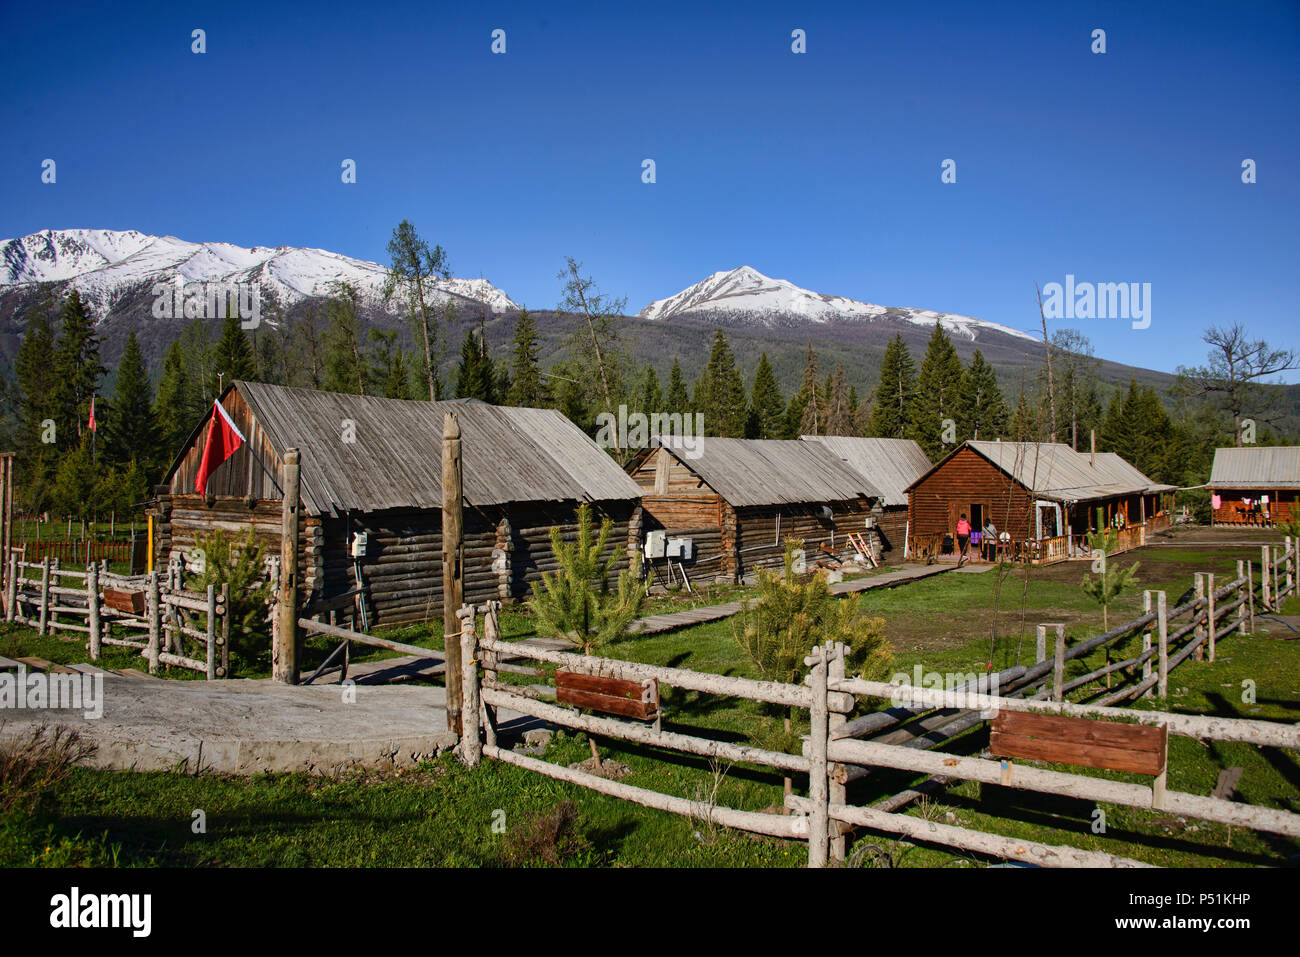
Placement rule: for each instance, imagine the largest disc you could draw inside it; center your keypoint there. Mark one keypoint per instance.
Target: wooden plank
(1081, 741)
(40, 664)
(1084, 730)
(608, 704)
(131, 602)
(614, 687)
(1073, 752)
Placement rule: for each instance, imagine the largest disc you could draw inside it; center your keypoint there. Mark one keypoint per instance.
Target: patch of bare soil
(612, 770)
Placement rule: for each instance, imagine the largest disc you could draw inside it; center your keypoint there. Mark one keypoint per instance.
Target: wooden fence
(152, 613)
(839, 749)
(134, 552)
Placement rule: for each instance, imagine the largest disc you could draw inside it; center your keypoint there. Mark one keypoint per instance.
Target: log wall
(964, 479)
(507, 548)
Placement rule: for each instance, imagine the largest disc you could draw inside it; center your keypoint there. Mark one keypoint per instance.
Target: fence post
(1058, 669)
(1210, 613)
(1162, 635)
(45, 596)
(224, 669)
(1241, 598)
(284, 643)
(153, 603)
(1250, 594)
(1264, 576)
(471, 748)
(92, 605)
(492, 632)
(818, 783)
(1290, 567)
(212, 632)
(1040, 645)
(11, 585)
(1147, 604)
(837, 792)
(1198, 616)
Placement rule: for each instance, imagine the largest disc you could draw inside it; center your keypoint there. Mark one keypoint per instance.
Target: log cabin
(738, 500)
(1044, 495)
(373, 466)
(890, 465)
(1259, 485)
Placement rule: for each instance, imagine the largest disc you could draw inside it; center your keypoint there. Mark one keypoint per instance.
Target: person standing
(990, 540)
(963, 539)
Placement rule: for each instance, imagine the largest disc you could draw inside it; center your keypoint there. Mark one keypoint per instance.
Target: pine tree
(1122, 429)
(476, 376)
(677, 398)
(652, 396)
(130, 433)
(176, 410)
(812, 404)
(892, 410)
(981, 410)
(346, 369)
(37, 408)
(397, 383)
(77, 371)
(938, 390)
(839, 414)
(720, 394)
(232, 358)
(766, 406)
(527, 386)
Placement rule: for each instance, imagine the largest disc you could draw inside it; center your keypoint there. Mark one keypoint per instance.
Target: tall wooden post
(1162, 636)
(1290, 566)
(453, 573)
(153, 608)
(1058, 668)
(1241, 598)
(1147, 605)
(211, 661)
(92, 607)
(471, 748)
(1263, 577)
(284, 643)
(1250, 594)
(1040, 644)
(45, 596)
(11, 588)
(1210, 613)
(7, 518)
(838, 791)
(1198, 616)
(818, 776)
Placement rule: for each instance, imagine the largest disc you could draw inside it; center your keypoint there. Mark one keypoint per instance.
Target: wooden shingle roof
(394, 458)
(1257, 467)
(891, 465)
(749, 472)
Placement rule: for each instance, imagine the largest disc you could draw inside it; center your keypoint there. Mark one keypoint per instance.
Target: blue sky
(821, 168)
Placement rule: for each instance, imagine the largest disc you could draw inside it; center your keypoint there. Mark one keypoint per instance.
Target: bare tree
(582, 297)
(1232, 377)
(1075, 356)
(1047, 349)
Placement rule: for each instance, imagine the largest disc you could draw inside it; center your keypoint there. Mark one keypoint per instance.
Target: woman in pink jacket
(963, 539)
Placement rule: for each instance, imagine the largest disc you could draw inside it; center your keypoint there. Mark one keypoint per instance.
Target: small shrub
(33, 767)
(549, 838)
(239, 564)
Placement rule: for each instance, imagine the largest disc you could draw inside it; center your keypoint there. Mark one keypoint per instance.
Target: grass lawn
(442, 813)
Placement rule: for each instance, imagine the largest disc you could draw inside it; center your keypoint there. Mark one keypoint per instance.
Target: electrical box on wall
(359, 545)
(871, 521)
(654, 544)
(682, 549)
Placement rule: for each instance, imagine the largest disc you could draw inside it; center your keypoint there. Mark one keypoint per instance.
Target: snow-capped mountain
(746, 295)
(104, 265)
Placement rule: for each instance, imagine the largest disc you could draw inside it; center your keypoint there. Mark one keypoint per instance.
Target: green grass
(441, 814)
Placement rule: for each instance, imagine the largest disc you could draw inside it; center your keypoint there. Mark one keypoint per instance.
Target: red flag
(223, 438)
(91, 424)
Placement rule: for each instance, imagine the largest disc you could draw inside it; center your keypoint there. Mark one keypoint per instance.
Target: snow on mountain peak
(104, 264)
(746, 294)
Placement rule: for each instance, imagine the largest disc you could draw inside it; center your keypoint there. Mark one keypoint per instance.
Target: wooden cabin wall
(180, 521)
(969, 477)
(240, 476)
(663, 474)
(760, 535)
(891, 522)
(1283, 505)
(697, 517)
(402, 568)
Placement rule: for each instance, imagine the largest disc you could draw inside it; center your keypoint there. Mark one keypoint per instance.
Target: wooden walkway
(671, 621)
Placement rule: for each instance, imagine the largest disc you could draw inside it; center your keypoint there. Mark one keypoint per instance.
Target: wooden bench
(130, 602)
(1105, 745)
(628, 699)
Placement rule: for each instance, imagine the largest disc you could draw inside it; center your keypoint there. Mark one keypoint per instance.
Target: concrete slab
(251, 726)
